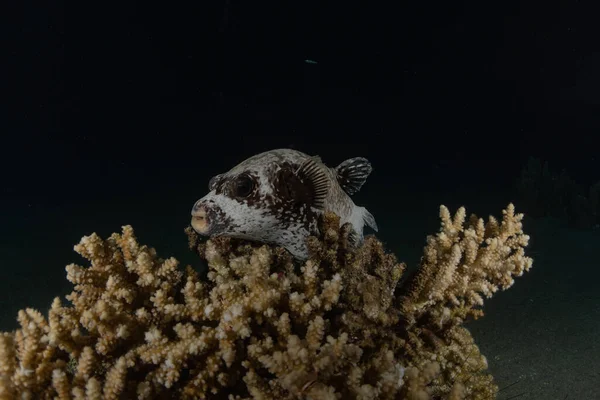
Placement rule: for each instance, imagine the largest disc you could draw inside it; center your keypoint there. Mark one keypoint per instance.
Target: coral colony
(346, 323)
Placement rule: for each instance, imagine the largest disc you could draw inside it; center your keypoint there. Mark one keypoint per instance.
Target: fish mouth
(200, 220)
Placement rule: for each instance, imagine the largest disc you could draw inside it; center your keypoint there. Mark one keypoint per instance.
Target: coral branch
(464, 263)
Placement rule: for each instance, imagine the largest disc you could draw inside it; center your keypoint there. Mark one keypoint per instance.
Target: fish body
(277, 197)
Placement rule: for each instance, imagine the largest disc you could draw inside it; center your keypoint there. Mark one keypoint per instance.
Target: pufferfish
(276, 197)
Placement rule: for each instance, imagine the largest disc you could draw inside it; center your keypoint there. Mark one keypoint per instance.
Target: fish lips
(205, 220)
(208, 219)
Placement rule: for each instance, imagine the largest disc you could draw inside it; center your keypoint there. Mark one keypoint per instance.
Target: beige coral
(261, 326)
(464, 263)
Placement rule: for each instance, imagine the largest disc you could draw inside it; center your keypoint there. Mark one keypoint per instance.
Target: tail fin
(369, 219)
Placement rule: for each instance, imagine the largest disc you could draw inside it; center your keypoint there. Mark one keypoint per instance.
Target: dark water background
(120, 116)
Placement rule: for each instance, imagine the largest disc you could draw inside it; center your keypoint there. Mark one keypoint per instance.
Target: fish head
(270, 198)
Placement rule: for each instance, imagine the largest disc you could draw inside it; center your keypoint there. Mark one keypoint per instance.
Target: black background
(120, 113)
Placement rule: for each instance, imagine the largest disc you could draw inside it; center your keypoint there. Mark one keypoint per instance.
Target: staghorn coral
(260, 326)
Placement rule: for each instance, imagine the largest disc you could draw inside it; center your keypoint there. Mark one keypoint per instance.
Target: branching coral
(462, 263)
(261, 326)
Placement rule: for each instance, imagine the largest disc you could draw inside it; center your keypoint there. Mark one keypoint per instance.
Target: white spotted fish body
(277, 197)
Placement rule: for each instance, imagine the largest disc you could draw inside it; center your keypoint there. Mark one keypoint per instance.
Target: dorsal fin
(316, 178)
(352, 174)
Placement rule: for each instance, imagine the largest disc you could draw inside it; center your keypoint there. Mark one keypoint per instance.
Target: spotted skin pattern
(277, 196)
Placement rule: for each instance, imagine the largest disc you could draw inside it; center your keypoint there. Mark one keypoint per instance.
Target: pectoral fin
(352, 174)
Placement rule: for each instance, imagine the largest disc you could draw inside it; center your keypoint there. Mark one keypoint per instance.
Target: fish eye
(243, 186)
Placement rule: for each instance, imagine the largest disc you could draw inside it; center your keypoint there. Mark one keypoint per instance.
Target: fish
(278, 196)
